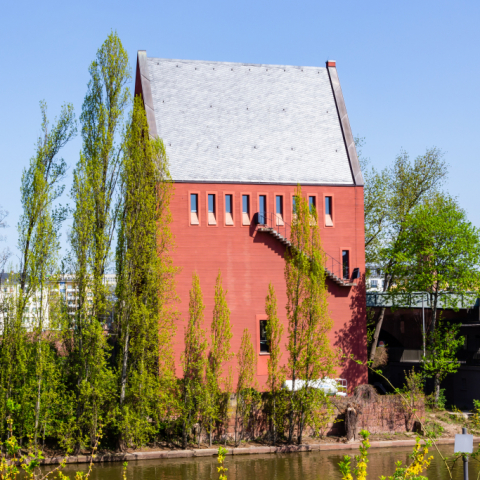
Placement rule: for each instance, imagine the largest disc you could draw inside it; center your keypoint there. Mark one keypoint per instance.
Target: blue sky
(409, 70)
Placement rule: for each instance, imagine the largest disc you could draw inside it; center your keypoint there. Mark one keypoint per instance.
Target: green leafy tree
(246, 392)
(94, 192)
(193, 361)
(376, 193)
(220, 336)
(144, 280)
(311, 357)
(400, 188)
(276, 371)
(26, 354)
(437, 252)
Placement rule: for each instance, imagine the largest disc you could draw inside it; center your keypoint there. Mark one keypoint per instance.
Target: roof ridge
(313, 67)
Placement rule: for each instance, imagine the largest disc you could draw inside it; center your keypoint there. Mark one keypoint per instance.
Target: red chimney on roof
(331, 63)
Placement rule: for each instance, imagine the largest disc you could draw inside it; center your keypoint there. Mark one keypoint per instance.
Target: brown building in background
(401, 336)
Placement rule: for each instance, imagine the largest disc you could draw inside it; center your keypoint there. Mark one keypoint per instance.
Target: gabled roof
(242, 123)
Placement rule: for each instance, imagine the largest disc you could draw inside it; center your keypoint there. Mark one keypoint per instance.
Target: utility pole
(423, 320)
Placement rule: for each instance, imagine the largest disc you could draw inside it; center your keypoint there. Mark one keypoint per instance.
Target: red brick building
(239, 138)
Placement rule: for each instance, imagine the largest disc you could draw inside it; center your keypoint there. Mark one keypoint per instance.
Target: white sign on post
(463, 443)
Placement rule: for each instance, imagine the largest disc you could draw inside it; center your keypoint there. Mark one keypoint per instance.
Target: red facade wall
(249, 260)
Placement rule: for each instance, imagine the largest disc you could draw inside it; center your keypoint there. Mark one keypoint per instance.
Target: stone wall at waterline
(375, 413)
(382, 414)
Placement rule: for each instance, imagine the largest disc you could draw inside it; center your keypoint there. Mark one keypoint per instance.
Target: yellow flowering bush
(414, 471)
(222, 470)
(11, 458)
(360, 470)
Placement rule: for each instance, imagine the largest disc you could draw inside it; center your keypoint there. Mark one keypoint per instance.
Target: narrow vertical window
(312, 206)
(262, 210)
(194, 209)
(245, 209)
(328, 212)
(264, 347)
(228, 209)
(346, 264)
(279, 209)
(294, 208)
(211, 209)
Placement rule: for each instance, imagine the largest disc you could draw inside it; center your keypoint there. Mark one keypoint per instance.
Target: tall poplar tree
(219, 354)
(193, 361)
(25, 352)
(94, 192)
(311, 357)
(276, 371)
(145, 281)
(246, 393)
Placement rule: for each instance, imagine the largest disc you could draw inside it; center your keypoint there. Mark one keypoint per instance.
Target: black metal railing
(275, 221)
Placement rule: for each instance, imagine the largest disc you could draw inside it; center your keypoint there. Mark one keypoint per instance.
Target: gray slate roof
(241, 123)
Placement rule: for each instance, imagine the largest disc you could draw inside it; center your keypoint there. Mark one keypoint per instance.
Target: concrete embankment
(208, 452)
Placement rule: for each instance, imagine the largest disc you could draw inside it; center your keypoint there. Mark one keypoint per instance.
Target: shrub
(420, 462)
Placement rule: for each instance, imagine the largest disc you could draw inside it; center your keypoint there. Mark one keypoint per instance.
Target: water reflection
(296, 466)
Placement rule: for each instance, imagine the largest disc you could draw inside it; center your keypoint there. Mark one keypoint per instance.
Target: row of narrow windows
(246, 211)
(262, 215)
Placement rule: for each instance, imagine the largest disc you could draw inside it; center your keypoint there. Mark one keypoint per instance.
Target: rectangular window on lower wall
(346, 264)
(194, 219)
(228, 209)
(264, 347)
(212, 209)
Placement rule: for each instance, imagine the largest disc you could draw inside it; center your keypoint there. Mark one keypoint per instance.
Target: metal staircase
(267, 223)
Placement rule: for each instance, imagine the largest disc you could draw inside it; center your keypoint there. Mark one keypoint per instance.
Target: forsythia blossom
(402, 472)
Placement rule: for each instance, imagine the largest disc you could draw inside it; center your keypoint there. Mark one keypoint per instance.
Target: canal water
(293, 466)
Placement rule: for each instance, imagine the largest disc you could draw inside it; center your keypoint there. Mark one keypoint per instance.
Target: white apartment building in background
(69, 291)
(375, 278)
(37, 308)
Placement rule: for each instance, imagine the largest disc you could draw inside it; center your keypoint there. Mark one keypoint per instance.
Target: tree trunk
(294, 365)
(433, 302)
(184, 435)
(300, 428)
(291, 425)
(184, 430)
(37, 409)
(274, 431)
(123, 380)
(378, 328)
(350, 422)
(437, 389)
(236, 422)
(434, 324)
